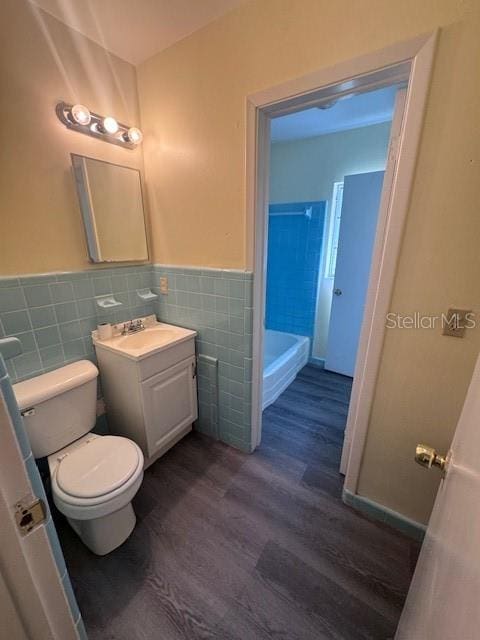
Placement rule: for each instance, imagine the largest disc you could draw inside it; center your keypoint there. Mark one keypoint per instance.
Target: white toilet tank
(58, 407)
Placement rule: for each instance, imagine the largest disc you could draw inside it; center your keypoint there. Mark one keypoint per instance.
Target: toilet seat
(98, 467)
(95, 506)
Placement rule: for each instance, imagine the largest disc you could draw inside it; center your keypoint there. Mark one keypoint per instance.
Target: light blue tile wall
(53, 315)
(218, 304)
(38, 490)
(293, 263)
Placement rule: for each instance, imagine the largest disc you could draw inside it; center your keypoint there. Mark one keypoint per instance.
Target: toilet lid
(97, 467)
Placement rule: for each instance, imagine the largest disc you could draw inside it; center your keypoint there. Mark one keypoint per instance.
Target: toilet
(93, 478)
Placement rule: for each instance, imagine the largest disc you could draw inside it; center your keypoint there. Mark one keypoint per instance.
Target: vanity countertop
(156, 337)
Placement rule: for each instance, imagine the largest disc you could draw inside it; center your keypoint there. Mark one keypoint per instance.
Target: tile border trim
(376, 511)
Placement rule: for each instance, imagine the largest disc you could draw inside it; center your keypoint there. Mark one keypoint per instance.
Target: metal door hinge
(194, 369)
(29, 514)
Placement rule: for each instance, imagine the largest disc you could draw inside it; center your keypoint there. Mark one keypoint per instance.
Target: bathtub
(284, 354)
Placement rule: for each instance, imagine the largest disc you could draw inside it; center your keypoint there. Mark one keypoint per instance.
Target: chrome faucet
(132, 327)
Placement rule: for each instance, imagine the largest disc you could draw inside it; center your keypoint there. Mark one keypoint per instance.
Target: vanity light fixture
(133, 135)
(78, 118)
(110, 125)
(80, 114)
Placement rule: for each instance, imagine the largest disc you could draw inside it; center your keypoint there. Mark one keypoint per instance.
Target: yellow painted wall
(193, 114)
(42, 62)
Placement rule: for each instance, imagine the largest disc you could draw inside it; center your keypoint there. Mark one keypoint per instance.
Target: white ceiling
(356, 111)
(136, 29)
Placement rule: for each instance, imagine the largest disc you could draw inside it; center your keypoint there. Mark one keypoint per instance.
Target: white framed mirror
(111, 203)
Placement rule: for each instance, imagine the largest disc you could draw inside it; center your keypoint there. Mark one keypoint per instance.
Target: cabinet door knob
(337, 292)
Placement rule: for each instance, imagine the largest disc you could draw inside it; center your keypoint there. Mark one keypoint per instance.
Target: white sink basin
(148, 338)
(146, 342)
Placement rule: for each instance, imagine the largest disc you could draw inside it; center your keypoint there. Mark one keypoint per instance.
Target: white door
(444, 598)
(33, 602)
(361, 201)
(170, 403)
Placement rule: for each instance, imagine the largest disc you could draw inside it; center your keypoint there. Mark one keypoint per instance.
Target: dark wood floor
(230, 546)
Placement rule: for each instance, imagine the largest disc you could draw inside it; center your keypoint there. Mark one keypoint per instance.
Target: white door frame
(410, 61)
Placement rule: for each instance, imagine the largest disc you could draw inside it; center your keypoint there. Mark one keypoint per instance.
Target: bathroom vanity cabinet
(150, 397)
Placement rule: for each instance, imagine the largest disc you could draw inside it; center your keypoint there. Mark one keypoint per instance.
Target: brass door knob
(427, 457)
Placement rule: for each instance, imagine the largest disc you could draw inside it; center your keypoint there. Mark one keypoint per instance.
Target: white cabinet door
(170, 403)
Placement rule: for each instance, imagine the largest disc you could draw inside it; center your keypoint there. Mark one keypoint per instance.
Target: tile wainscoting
(53, 314)
(218, 304)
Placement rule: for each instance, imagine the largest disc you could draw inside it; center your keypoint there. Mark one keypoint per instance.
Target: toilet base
(102, 535)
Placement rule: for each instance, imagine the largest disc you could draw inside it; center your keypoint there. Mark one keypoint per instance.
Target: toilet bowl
(93, 482)
(93, 478)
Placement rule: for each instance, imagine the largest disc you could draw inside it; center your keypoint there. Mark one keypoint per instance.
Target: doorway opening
(404, 70)
(327, 167)
(323, 159)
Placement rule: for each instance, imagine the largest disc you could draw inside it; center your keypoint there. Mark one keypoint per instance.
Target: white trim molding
(410, 63)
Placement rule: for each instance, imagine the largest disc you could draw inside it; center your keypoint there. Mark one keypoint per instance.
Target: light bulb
(110, 125)
(133, 135)
(80, 114)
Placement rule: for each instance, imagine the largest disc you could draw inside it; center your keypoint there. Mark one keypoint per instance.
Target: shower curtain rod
(306, 212)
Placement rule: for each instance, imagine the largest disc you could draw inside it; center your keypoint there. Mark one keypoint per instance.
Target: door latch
(427, 457)
(29, 514)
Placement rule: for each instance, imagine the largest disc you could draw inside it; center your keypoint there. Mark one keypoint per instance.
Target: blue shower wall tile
(293, 264)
